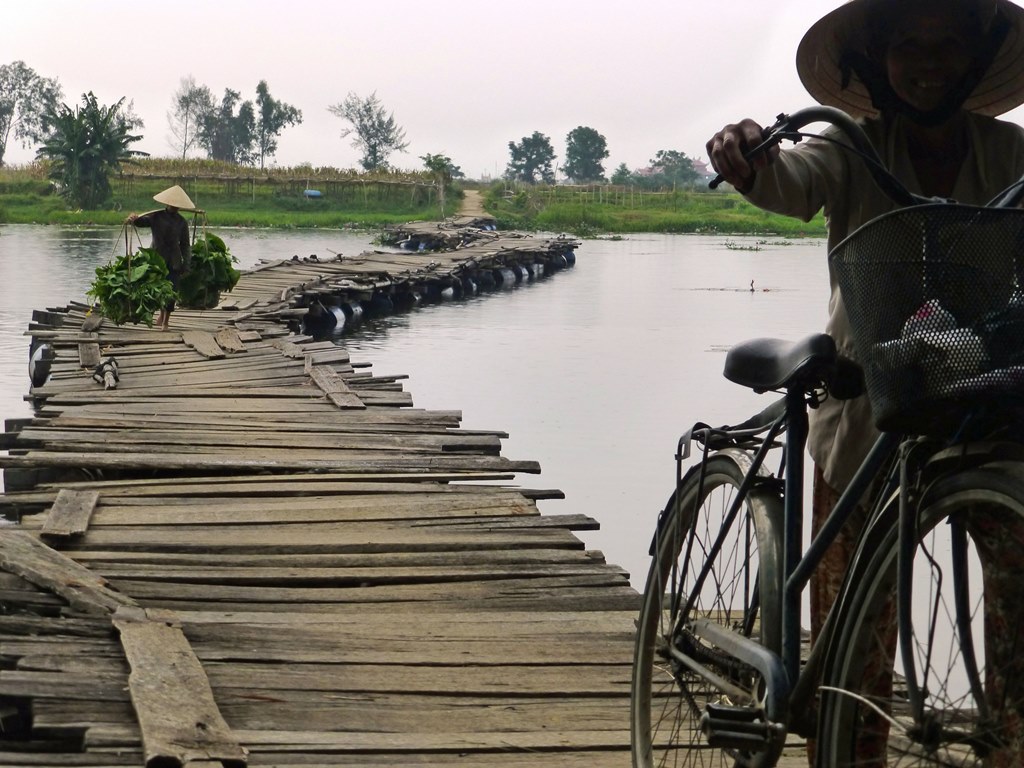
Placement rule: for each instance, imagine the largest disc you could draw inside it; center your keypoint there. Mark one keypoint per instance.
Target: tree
(673, 169)
(444, 171)
(376, 133)
(86, 144)
(25, 100)
(226, 134)
(531, 157)
(442, 166)
(272, 117)
(188, 106)
(622, 175)
(585, 148)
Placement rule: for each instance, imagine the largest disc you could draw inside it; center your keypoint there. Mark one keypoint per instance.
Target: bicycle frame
(788, 688)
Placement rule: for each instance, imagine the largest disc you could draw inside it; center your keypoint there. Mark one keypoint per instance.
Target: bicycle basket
(935, 301)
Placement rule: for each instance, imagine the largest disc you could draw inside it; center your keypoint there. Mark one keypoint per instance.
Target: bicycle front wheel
(966, 639)
(704, 566)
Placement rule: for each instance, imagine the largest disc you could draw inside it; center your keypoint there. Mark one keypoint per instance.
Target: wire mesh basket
(935, 301)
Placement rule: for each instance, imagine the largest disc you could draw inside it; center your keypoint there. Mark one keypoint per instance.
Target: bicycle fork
(926, 728)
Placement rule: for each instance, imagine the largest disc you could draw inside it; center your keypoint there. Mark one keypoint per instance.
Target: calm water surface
(594, 372)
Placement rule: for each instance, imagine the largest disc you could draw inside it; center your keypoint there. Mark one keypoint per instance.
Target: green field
(234, 196)
(606, 209)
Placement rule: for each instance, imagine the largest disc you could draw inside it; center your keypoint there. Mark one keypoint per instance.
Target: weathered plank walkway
(483, 260)
(255, 551)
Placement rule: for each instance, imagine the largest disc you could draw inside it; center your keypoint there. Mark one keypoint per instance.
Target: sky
(463, 78)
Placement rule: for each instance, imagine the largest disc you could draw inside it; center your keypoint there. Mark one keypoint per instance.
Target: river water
(594, 371)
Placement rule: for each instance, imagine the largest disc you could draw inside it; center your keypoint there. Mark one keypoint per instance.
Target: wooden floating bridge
(236, 546)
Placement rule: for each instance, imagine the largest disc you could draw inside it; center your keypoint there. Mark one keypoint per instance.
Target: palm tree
(85, 145)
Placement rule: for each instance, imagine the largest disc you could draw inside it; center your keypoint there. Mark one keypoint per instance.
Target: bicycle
(722, 671)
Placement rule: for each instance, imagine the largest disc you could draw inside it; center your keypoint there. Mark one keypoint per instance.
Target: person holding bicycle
(926, 79)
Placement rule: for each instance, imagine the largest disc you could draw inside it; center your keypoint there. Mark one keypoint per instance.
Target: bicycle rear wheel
(738, 590)
(966, 641)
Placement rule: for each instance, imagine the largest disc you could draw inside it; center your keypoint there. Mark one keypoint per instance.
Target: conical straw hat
(176, 198)
(843, 30)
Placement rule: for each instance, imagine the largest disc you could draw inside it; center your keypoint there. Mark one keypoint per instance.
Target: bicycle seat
(773, 364)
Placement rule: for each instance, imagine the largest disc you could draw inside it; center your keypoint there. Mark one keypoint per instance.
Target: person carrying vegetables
(170, 239)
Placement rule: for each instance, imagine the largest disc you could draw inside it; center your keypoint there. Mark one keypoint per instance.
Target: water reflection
(594, 371)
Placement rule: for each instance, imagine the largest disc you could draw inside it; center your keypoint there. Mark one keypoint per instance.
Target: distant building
(704, 171)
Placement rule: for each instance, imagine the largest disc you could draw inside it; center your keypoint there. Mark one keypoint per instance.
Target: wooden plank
(480, 680)
(336, 355)
(336, 483)
(334, 387)
(285, 409)
(172, 697)
(232, 302)
(368, 463)
(390, 507)
(261, 644)
(62, 645)
(230, 340)
(449, 740)
(289, 348)
(313, 710)
(195, 423)
(118, 439)
(204, 343)
(47, 626)
(298, 576)
(89, 351)
(469, 623)
(85, 591)
(51, 757)
(539, 591)
(119, 560)
(508, 757)
(70, 513)
(323, 537)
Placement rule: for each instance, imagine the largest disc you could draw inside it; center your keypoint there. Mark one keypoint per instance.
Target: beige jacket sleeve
(803, 180)
(816, 175)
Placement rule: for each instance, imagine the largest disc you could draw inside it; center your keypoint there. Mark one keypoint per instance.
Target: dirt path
(472, 203)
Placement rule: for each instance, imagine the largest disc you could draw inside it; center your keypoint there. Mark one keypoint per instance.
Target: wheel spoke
(676, 673)
(964, 649)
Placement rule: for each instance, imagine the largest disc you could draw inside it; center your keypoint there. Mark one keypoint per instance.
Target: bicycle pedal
(727, 727)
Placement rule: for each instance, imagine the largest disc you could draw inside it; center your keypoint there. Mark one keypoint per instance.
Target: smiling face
(929, 53)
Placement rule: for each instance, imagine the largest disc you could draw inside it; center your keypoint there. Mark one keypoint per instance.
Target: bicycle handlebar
(788, 127)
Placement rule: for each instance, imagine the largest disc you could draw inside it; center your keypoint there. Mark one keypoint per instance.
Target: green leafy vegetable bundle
(212, 271)
(133, 288)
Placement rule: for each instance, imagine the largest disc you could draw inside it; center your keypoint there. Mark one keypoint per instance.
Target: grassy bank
(232, 198)
(591, 210)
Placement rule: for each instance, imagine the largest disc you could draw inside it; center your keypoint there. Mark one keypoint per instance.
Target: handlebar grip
(768, 140)
(788, 127)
